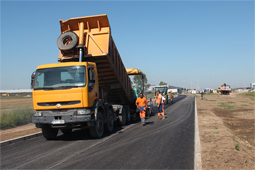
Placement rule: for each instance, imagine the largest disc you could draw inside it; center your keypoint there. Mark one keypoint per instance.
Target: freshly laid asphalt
(161, 144)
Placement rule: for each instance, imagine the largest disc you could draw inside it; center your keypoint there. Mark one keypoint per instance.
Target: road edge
(22, 138)
(198, 160)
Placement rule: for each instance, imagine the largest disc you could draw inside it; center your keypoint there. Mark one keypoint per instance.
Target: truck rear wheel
(67, 41)
(110, 121)
(49, 133)
(123, 117)
(97, 130)
(128, 119)
(148, 113)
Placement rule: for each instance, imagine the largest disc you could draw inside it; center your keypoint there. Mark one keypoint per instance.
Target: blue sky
(186, 43)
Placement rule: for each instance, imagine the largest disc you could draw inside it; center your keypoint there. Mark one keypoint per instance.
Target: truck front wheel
(48, 132)
(97, 130)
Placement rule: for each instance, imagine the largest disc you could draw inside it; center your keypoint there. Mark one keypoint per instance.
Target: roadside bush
(16, 117)
(237, 146)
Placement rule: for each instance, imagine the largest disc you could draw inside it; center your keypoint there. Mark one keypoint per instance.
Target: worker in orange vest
(142, 103)
(158, 101)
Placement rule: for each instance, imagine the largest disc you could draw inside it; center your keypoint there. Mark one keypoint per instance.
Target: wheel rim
(67, 40)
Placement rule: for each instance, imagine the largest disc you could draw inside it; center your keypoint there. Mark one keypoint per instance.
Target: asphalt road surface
(161, 144)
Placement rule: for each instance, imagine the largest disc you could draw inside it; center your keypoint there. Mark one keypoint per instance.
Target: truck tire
(148, 113)
(123, 117)
(128, 119)
(97, 130)
(109, 122)
(67, 41)
(66, 131)
(49, 133)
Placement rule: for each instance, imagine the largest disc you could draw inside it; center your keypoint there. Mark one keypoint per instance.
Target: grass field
(15, 110)
(16, 117)
(250, 94)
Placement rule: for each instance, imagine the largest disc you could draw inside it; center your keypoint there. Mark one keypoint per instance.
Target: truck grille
(61, 103)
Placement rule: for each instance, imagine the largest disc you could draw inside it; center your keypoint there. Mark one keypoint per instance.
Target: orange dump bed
(95, 34)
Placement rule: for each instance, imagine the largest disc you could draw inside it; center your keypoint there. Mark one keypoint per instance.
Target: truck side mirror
(32, 80)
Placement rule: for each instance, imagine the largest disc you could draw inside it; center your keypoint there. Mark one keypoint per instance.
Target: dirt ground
(7, 104)
(18, 132)
(226, 127)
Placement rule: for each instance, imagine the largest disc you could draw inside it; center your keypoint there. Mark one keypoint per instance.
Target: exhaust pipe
(81, 40)
(80, 55)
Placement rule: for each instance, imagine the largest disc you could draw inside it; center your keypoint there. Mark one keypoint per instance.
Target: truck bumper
(64, 117)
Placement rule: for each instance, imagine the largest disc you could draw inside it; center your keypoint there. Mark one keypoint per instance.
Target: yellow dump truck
(225, 89)
(88, 88)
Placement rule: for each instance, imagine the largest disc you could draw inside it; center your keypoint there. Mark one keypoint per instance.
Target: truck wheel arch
(98, 106)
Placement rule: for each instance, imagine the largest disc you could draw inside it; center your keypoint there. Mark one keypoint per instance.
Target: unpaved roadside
(226, 127)
(18, 132)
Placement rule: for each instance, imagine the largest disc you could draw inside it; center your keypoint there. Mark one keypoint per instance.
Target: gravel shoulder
(226, 127)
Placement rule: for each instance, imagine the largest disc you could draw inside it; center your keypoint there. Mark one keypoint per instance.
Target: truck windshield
(161, 89)
(60, 78)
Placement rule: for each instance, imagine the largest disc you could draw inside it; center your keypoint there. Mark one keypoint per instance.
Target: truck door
(92, 86)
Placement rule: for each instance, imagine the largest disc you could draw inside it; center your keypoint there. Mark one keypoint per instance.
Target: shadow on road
(83, 134)
(175, 100)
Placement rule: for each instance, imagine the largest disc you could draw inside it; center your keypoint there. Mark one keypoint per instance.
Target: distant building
(151, 88)
(17, 91)
(174, 89)
(252, 85)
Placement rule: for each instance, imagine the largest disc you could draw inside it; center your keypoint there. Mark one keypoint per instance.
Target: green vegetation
(15, 106)
(237, 146)
(211, 94)
(16, 117)
(244, 105)
(137, 79)
(212, 100)
(162, 83)
(234, 138)
(225, 106)
(249, 94)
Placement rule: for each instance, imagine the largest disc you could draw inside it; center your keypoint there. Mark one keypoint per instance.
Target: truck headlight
(83, 111)
(38, 113)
